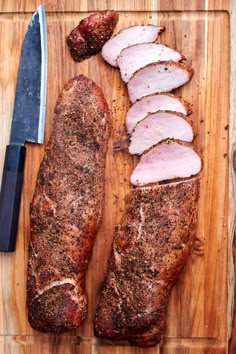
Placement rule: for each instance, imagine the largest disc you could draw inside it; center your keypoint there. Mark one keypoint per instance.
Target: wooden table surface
(200, 311)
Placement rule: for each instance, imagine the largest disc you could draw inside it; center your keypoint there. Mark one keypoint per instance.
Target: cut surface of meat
(165, 161)
(157, 127)
(91, 34)
(153, 103)
(137, 56)
(67, 208)
(158, 77)
(127, 37)
(150, 247)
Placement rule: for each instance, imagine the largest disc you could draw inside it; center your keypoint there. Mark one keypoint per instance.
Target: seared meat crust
(67, 208)
(149, 250)
(91, 34)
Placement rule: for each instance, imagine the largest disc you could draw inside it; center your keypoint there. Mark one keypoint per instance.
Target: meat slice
(158, 77)
(149, 249)
(91, 34)
(168, 160)
(157, 127)
(127, 37)
(137, 56)
(67, 208)
(153, 103)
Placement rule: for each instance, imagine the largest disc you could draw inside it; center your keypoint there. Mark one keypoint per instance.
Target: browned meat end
(67, 208)
(149, 250)
(91, 34)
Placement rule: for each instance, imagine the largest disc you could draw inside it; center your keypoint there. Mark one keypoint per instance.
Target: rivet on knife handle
(10, 196)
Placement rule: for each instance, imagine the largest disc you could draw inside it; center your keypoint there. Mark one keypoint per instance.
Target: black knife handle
(10, 196)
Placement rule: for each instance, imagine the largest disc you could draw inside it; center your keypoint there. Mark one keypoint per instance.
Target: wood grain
(200, 309)
(232, 185)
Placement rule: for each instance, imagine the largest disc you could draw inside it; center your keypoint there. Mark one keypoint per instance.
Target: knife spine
(44, 57)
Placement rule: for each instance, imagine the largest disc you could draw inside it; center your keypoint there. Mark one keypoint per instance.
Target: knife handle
(10, 196)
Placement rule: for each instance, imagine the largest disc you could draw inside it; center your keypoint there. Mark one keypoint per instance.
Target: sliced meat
(150, 247)
(157, 127)
(67, 208)
(137, 56)
(154, 103)
(168, 160)
(91, 34)
(158, 77)
(127, 37)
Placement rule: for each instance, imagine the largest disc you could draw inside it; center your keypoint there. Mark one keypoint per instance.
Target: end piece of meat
(150, 247)
(137, 56)
(166, 161)
(157, 127)
(127, 37)
(67, 207)
(91, 34)
(153, 103)
(158, 77)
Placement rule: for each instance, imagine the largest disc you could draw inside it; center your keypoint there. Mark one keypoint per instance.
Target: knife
(27, 124)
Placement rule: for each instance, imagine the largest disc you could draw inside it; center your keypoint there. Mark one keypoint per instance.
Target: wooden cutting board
(200, 308)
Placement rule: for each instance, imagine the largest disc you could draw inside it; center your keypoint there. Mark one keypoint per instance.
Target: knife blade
(28, 123)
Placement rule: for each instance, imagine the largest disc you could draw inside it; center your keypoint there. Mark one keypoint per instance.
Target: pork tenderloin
(157, 127)
(67, 207)
(158, 77)
(153, 103)
(137, 56)
(168, 160)
(149, 250)
(127, 37)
